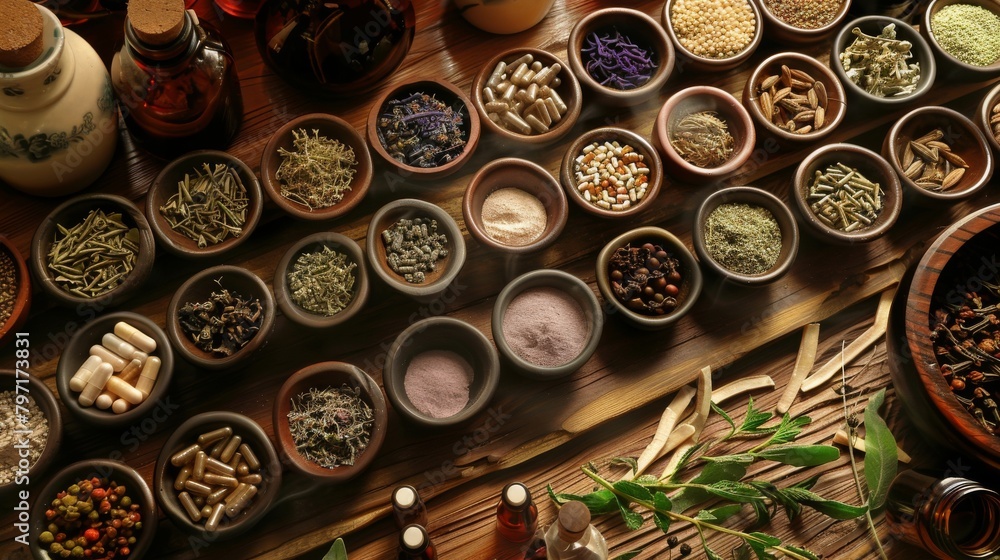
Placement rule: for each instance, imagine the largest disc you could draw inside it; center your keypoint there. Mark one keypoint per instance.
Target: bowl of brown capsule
(217, 475)
(15, 290)
(720, 39)
(962, 35)
(988, 118)
(799, 24)
(43, 423)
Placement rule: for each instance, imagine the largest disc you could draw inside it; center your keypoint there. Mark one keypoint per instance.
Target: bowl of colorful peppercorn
(98, 509)
(15, 290)
(800, 22)
(965, 37)
(988, 118)
(40, 416)
(713, 35)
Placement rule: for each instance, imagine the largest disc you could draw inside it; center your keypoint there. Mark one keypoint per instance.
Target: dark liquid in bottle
(245, 9)
(517, 526)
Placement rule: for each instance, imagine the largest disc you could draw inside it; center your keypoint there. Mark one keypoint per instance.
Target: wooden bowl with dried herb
(316, 167)
(44, 422)
(964, 37)
(15, 290)
(988, 118)
(713, 36)
(939, 154)
(800, 23)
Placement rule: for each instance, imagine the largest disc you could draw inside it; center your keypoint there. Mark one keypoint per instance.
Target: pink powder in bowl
(546, 327)
(437, 383)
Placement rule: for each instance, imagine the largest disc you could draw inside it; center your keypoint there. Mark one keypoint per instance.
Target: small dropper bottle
(408, 508)
(415, 544)
(517, 515)
(573, 537)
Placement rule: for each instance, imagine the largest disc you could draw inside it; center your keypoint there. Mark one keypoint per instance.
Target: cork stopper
(574, 518)
(156, 22)
(20, 33)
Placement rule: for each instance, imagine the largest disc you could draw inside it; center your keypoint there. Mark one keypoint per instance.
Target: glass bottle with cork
(571, 537)
(517, 515)
(408, 508)
(415, 544)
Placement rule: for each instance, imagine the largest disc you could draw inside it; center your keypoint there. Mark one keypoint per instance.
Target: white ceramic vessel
(504, 16)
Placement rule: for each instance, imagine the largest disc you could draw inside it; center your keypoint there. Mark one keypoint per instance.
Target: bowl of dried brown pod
(988, 117)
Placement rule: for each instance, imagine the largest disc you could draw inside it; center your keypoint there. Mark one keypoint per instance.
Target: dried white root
(803, 365)
(741, 386)
(696, 421)
(841, 438)
(668, 421)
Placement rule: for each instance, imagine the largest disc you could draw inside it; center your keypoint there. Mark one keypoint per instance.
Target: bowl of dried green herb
(316, 167)
(15, 290)
(94, 249)
(799, 22)
(321, 281)
(42, 420)
(204, 204)
(965, 37)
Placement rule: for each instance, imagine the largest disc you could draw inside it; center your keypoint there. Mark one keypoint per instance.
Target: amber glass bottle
(408, 508)
(415, 544)
(517, 515)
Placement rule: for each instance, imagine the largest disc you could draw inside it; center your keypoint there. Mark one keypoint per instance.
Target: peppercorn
(671, 541)
(685, 549)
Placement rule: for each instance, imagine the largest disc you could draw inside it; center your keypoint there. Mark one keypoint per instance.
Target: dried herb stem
(208, 207)
(95, 256)
(331, 427)
(318, 173)
(702, 139)
(322, 282)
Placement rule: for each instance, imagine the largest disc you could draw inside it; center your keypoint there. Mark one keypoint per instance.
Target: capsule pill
(108, 357)
(86, 370)
(214, 435)
(217, 495)
(135, 337)
(232, 497)
(230, 449)
(236, 460)
(182, 476)
(196, 487)
(192, 510)
(131, 371)
(150, 370)
(221, 480)
(206, 510)
(124, 390)
(218, 467)
(120, 406)
(96, 384)
(198, 470)
(105, 400)
(253, 478)
(185, 455)
(250, 457)
(120, 347)
(234, 509)
(215, 517)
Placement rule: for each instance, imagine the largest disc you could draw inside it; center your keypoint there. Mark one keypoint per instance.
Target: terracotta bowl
(754, 197)
(77, 352)
(705, 64)
(47, 404)
(643, 31)
(530, 178)
(779, 30)
(836, 107)
(316, 242)
(567, 171)
(691, 282)
(984, 114)
(950, 65)
(695, 100)
(333, 128)
(503, 17)
(73, 212)
(447, 268)
(198, 289)
(965, 139)
(442, 333)
(135, 486)
(445, 92)
(186, 435)
(562, 281)
(321, 376)
(872, 166)
(569, 91)
(22, 297)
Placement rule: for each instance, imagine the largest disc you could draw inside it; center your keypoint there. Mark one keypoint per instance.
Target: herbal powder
(969, 33)
(743, 238)
(514, 217)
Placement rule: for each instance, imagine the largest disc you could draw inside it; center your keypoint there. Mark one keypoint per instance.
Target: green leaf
(768, 540)
(662, 521)
(630, 462)
(685, 459)
(881, 456)
(725, 416)
(762, 514)
(723, 513)
(646, 479)
(633, 491)
(791, 507)
(661, 501)
(628, 555)
(734, 491)
(760, 542)
(788, 430)
(632, 519)
(716, 472)
(711, 554)
(807, 483)
(742, 552)
(688, 498)
(601, 502)
(800, 455)
(753, 421)
(338, 551)
(743, 458)
(802, 552)
(705, 515)
(830, 508)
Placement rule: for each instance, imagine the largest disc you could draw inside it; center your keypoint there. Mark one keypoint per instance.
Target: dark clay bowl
(333, 128)
(705, 64)
(77, 352)
(47, 404)
(22, 297)
(72, 212)
(187, 434)
(690, 284)
(779, 30)
(875, 168)
(549, 278)
(984, 115)
(530, 178)
(321, 376)
(165, 186)
(965, 139)
(950, 65)
(650, 157)
(316, 242)
(135, 486)
(197, 289)
(643, 31)
(442, 333)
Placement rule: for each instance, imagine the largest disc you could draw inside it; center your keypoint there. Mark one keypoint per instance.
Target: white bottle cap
(414, 537)
(516, 494)
(405, 497)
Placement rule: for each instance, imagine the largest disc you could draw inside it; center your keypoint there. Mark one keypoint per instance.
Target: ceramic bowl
(528, 177)
(321, 376)
(873, 25)
(442, 334)
(446, 268)
(754, 197)
(504, 16)
(73, 212)
(835, 109)
(875, 168)
(186, 435)
(780, 30)
(48, 406)
(198, 289)
(568, 90)
(566, 283)
(22, 296)
(650, 157)
(643, 31)
(448, 94)
(961, 134)
(705, 64)
(77, 352)
(988, 120)
(690, 286)
(311, 244)
(135, 486)
(697, 99)
(951, 65)
(333, 128)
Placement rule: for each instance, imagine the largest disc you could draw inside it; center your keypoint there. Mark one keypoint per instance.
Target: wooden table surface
(608, 408)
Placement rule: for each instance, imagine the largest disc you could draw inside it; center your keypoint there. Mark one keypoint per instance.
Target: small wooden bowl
(568, 90)
(644, 31)
(114, 471)
(22, 298)
(705, 64)
(333, 128)
(567, 171)
(445, 92)
(316, 242)
(48, 406)
(983, 115)
(530, 178)
(836, 107)
(950, 65)
(446, 269)
(961, 134)
(503, 18)
(873, 25)
(77, 352)
(784, 32)
(187, 434)
(197, 289)
(321, 376)
(72, 212)
(165, 186)
(691, 281)
(442, 333)
(694, 100)
(562, 281)
(872, 166)
(754, 197)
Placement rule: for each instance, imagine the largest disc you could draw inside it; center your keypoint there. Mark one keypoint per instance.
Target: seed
(954, 158)
(812, 98)
(907, 156)
(805, 116)
(786, 76)
(782, 93)
(931, 136)
(930, 155)
(804, 130)
(769, 82)
(820, 117)
(821, 93)
(803, 77)
(766, 105)
(952, 178)
(938, 144)
(914, 170)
